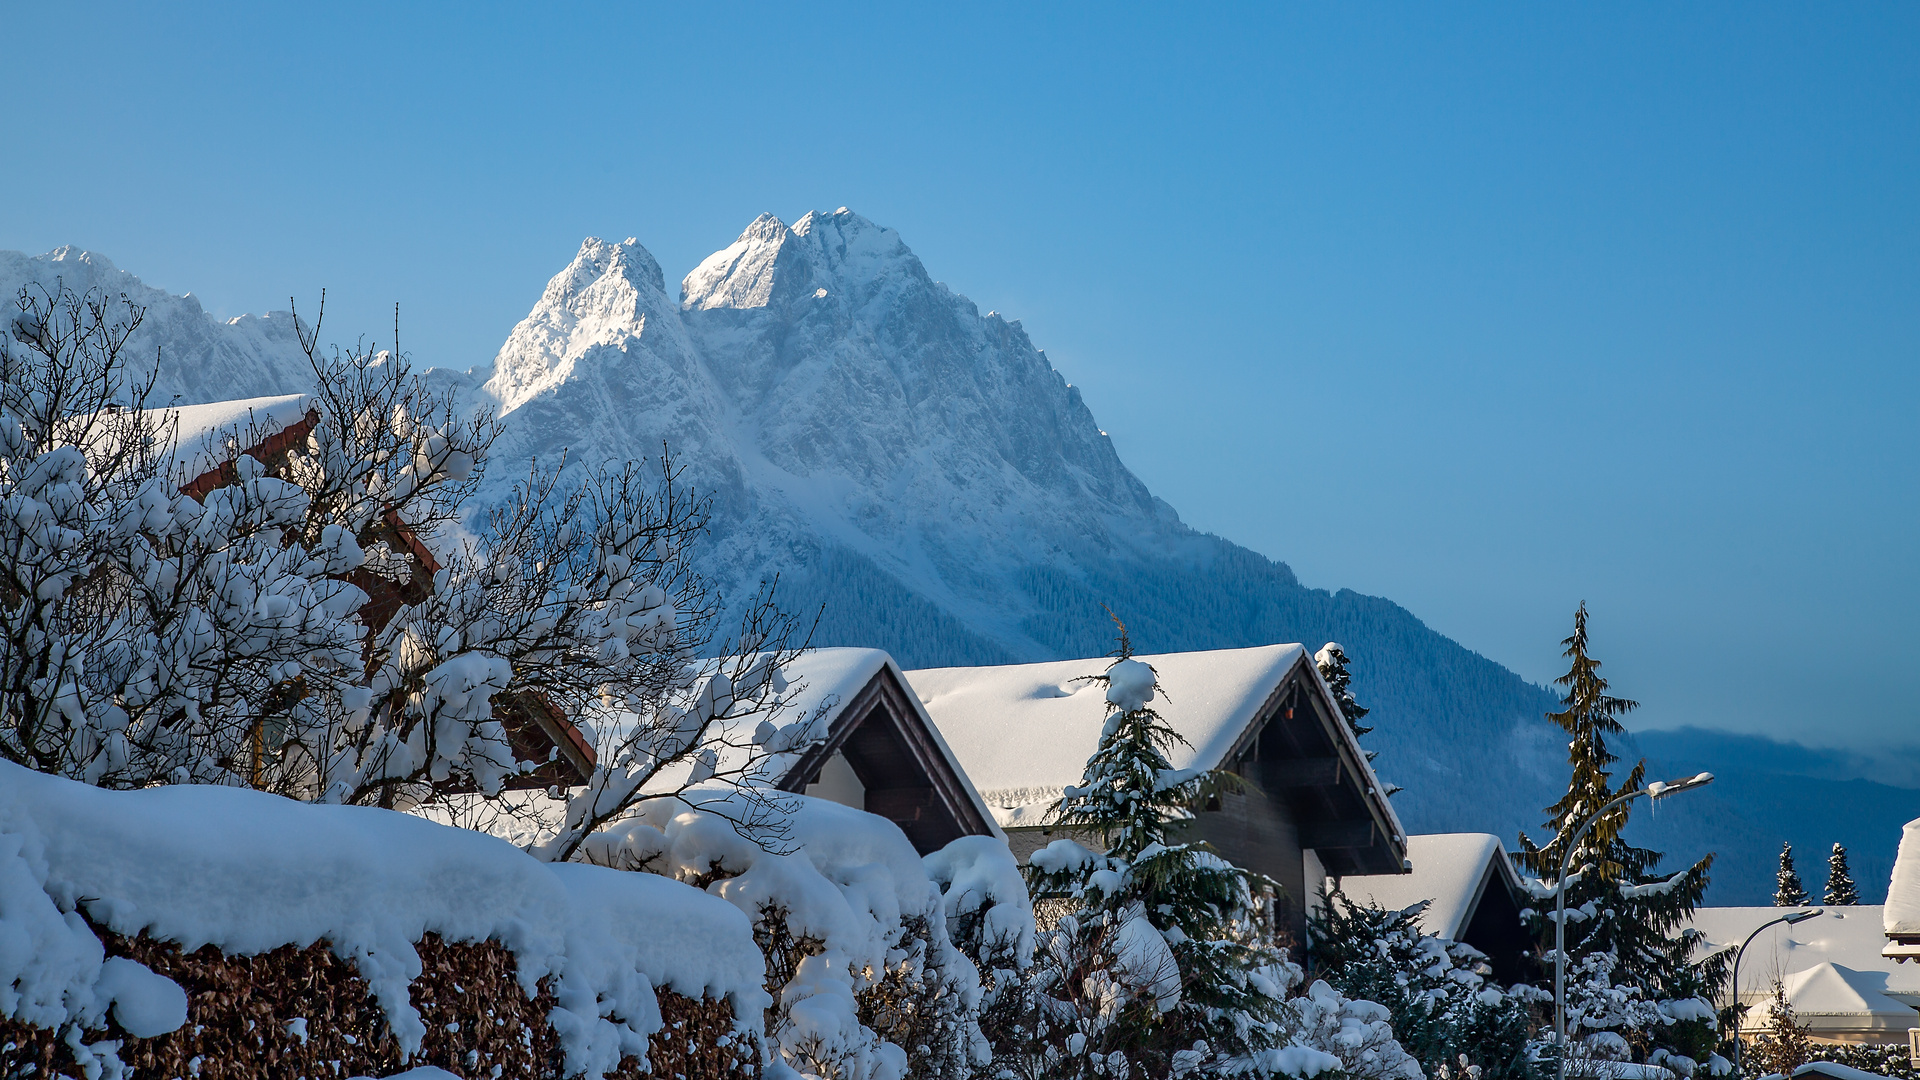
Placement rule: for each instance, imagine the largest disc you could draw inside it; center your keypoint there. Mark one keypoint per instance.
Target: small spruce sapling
(1788, 892)
(1785, 1044)
(1841, 891)
(1332, 662)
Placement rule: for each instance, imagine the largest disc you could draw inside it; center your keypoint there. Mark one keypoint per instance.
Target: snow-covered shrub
(1359, 1033)
(325, 616)
(864, 980)
(1446, 1010)
(990, 919)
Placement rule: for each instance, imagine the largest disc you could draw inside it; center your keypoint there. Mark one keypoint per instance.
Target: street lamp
(1791, 919)
(1659, 789)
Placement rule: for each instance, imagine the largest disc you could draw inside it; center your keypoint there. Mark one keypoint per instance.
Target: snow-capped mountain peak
(200, 358)
(606, 296)
(915, 471)
(839, 257)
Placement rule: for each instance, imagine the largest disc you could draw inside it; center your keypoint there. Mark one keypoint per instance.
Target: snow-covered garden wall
(220, 932)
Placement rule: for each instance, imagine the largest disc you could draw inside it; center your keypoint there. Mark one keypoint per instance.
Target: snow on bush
(1358, 1033)
(1447, 1010)
(249, 872)
(866, 981)
(989, 914)
(322, 614)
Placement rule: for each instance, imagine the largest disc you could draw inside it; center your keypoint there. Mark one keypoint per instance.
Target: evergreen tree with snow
(1840, 888)
(1788, 892)
(1163, 967)
(1624, 919)
(1448, 1012)
(1332, 662)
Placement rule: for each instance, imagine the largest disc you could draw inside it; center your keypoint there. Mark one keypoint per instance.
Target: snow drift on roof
(1848, 938)
(1025, 731)
(207, 435)
(1903, 893)
(1828, 991)
(1448, 869)
(821, 684)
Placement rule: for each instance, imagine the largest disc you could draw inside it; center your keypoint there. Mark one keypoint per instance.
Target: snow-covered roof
(1902, 913)
(1831, 996)
(1450, 869)
(202, 432)
(824, 681)
(1845, 942)
(1836, 1070)
(1025, 731)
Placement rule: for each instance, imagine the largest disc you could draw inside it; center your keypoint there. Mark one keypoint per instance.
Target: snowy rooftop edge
(1025, 731)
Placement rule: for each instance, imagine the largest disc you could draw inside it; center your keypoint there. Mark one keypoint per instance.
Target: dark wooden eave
(908, 779)
(1296, 752)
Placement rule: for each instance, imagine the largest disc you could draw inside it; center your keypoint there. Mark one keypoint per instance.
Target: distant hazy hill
(1767, 792)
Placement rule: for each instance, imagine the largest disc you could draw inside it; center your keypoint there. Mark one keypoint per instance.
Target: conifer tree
(1840, 888)
(1332, 662)
(1623, 920)
(1788, 892)
(1162, 968)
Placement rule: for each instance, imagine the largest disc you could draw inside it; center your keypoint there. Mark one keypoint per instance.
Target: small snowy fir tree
(1785, 1045)
(1788, 892)
(1160, 965)
(1840, 888)
(1332, 662)
(1448, 1012)
(1633, 993)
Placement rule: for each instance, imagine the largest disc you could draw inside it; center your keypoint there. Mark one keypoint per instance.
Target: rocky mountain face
(915, 471)
(846, 410)
(200, 358)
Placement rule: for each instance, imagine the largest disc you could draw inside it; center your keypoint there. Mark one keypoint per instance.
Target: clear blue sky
(1488, 309)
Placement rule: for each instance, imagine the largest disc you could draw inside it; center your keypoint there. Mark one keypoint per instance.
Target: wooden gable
(1296, 753)
(903, 774)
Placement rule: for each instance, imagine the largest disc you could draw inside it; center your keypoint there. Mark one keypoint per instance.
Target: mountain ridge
(919, 473)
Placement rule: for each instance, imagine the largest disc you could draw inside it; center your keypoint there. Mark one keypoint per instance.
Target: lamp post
(1739, 1058)
(1659, 789)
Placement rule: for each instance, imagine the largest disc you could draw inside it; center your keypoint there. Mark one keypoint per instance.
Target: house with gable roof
(1472, 892)
(872, 746)
(1023, 732)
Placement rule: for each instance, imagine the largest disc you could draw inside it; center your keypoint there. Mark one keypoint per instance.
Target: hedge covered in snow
(863, 977)
(133, 923)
